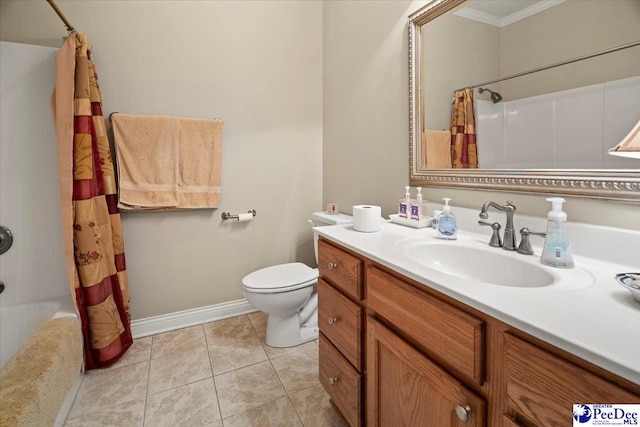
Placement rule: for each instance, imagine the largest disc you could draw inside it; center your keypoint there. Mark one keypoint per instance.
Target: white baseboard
(182, 319)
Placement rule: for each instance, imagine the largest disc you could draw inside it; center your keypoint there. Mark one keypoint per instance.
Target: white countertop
(597, 320)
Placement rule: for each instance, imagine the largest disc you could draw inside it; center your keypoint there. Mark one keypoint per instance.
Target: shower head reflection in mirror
(495, 96)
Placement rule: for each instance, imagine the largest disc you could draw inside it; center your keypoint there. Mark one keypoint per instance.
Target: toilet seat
(280, 278)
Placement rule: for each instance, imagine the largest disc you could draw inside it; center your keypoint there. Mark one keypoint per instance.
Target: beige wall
(568, 30)
(449, 45)
(366, 120)
(294, 82)
(258, 66)
(365, 102)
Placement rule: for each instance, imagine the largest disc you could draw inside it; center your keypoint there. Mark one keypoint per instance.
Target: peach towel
(167, 162)
(436, 149)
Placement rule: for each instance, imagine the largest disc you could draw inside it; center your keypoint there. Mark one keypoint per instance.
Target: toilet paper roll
(366, 218)
(244, 217)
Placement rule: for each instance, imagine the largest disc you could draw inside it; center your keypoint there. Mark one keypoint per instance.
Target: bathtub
(42, 355)
(18, 322)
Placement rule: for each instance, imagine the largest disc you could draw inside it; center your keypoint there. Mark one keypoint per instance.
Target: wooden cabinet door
(542, 387)
(405, 388)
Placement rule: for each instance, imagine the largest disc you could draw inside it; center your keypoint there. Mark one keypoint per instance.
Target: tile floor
(217, 374)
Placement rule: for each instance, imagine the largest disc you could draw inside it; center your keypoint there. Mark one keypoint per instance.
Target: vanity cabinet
(395, 352)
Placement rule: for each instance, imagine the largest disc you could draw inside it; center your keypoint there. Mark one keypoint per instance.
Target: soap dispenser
(404, 205)
(446, 228)
(557, 251)
(418, 208)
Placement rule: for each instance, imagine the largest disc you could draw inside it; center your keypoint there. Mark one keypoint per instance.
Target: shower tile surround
(217, 374)
(571, 129)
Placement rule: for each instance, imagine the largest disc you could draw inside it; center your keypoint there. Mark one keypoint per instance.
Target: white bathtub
(18, 322)
(33, 393)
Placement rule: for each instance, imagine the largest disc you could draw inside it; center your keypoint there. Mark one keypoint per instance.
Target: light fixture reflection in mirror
(550, 176)
(630, 145)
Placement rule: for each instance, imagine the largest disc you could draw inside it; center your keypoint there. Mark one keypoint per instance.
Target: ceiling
(501, 13)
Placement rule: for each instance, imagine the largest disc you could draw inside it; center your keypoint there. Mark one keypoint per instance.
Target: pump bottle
(404, 205)
(418, 208)
(446, 227)
(557, 250)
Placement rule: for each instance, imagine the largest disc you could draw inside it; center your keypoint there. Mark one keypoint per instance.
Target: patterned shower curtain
(94, 245)
(464, 153)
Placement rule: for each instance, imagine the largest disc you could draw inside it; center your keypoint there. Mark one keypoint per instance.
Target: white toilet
(286, 292)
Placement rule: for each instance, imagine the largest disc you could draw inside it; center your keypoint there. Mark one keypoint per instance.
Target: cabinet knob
(333, 380)
(463, 412)
(333, 266)
(333, 320)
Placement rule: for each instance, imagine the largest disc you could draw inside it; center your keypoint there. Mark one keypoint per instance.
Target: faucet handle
(525, 244)
(495, 241)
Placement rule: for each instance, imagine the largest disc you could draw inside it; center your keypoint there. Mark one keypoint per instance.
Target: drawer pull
(333, 320)
(333, 380)
(463, 412)
(333, 266)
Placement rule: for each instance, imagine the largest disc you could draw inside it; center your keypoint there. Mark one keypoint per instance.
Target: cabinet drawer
(342, 269)
(542, 387)
(341, 381)
(450, 336)
(340, 319)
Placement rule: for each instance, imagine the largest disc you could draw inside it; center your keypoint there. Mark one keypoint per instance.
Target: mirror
(546, 131)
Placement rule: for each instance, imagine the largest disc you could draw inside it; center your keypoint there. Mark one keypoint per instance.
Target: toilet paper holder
(227, 215)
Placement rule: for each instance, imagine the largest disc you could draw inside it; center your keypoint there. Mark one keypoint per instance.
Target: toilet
(287, 293)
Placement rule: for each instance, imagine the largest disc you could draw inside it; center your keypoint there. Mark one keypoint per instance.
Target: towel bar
(227, 215)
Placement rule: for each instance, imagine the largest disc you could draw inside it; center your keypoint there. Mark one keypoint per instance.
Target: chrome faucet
(509, 240)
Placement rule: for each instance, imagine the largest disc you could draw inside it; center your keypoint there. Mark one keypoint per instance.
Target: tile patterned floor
(217, 374)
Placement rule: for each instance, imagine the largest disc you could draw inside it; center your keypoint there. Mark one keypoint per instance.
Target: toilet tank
(321, 219)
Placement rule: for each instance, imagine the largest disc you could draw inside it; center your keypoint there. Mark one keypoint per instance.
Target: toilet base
(287, 331)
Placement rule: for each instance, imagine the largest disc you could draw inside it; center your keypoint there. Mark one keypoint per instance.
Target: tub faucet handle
(6, 239)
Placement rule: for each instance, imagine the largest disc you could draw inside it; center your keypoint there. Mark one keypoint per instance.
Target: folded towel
(436, 149)
(167, 162)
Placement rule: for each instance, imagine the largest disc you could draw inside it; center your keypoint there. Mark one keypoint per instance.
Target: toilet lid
(281, 277)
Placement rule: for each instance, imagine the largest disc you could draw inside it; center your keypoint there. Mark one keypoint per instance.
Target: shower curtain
(94, 246)
(464, 153)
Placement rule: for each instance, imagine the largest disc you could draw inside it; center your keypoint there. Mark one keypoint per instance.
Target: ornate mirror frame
(619, 184)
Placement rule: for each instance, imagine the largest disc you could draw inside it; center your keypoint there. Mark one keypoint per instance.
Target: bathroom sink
(478, 264)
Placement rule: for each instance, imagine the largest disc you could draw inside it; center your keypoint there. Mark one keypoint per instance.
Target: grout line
(146, 392)
(255, 407)
(295, 410)
(213, 376)
(215, 387)
(286, 392)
